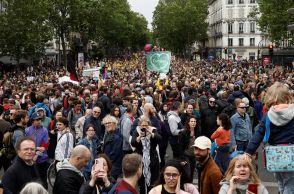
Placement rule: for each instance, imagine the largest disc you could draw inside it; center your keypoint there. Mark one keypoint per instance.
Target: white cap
(202, 143)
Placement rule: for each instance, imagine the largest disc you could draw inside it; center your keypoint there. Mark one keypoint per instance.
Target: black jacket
(18, 175)
(105, 100)
(208, 121)
(67, 181)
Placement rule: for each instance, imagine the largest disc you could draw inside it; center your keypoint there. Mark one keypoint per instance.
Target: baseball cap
(40, 109)
(36, 116)
(202, 143)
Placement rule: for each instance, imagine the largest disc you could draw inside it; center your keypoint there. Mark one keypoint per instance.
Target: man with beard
(209, 175)
(21, 119)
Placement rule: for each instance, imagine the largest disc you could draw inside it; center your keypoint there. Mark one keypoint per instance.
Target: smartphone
(98, 164)
(252, 187)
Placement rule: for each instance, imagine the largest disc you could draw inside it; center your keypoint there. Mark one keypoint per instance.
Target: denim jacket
(241, 128)
(93, 148)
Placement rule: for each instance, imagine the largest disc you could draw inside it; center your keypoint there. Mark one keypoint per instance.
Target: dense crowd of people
(211, 113)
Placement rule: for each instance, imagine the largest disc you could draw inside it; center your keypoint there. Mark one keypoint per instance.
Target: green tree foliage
(24, 29)
(177, 24)
(28, 25)
(273, 18)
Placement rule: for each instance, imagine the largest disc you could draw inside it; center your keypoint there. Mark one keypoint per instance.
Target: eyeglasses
(108, 123)
(96, 112)
(171, 175)
(243, 107)
(211, 101)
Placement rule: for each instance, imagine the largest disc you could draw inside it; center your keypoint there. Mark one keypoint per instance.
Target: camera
(143, 130)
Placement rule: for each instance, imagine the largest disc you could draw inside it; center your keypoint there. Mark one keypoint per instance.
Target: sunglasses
(243, 107)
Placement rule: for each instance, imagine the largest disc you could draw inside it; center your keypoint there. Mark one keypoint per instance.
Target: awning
(12, 61)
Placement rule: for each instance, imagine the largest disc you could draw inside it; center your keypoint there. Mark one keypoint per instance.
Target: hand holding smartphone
(252, 187)
(99, 165)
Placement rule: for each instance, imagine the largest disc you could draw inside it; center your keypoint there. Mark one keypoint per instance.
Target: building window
(230, 28)
(241, 41)
(252, 41)
(230, 1)
(252, 27)
(241, 28)
(241, 13)
(241, 1)
(252, 1)
(230, 42)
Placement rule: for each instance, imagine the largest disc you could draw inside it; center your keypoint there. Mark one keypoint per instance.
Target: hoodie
(65, 165)
(174, 122)
(281, 127)
(242, 187)
(281, 115)
(68, 178)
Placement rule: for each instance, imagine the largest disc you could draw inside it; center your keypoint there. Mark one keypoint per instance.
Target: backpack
(8, 150)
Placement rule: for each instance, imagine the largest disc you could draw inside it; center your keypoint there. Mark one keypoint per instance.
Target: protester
(45, 120)
(90, 141)
(145, 141)
(65, 140)
(23, 170)
(4, 127)
(69, 177)
(222, 139)
(132, 171)
(41, 137)
(101, 181)
(79, 126)
(279, 100)
(186, 140)
(239, 176)
(53, 133)
(176, 127)
(173, 180)
(21, 119)
(95, 119)
(113, 145)
(208, 118)
(125, 126)
(241, 130)
(209, 174)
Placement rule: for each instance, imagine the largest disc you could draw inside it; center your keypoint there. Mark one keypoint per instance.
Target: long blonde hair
(278, 93)
(230, 171)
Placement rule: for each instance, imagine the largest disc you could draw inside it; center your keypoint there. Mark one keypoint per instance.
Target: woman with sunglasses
(173, 180)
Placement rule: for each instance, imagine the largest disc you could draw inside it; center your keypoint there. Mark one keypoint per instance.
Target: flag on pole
(158, 61)
(71, 68)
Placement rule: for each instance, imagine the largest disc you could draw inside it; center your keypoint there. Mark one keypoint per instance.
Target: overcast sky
(145, 7)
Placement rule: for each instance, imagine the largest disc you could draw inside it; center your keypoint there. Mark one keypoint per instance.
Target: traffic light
(226, 50)
(271, 50)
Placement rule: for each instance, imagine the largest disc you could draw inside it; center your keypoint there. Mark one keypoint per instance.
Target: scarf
(146, 159)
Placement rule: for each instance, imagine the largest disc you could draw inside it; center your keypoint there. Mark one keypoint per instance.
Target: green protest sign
(158, 61)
